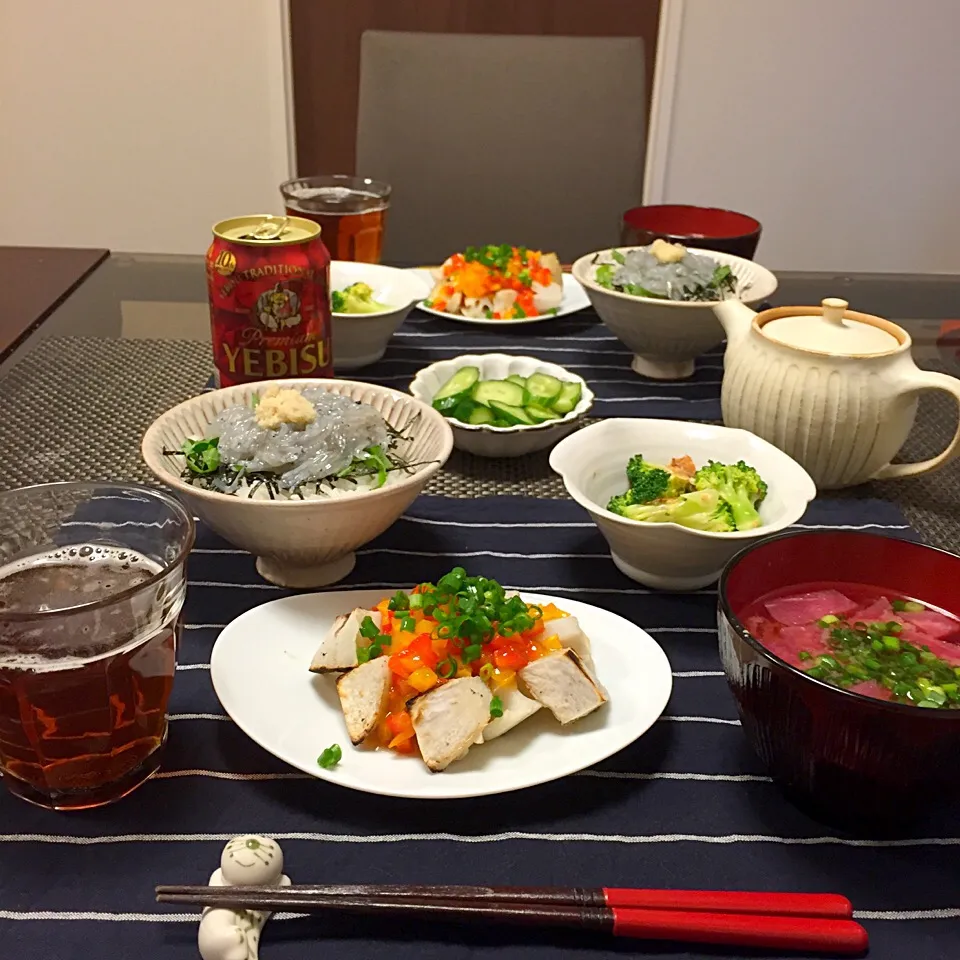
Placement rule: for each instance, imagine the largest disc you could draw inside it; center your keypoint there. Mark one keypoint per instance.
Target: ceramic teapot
(835, 389)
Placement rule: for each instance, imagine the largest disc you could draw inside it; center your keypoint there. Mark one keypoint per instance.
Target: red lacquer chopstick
(841, 937)
(732, 901)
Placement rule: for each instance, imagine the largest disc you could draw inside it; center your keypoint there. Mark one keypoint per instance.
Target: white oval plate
(574, 298)
(259, 670)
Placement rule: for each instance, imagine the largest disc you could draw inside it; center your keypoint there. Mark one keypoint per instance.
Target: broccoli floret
(357, 298)
(739, 484)
(700, 510)
(620, 502)
(649, 481)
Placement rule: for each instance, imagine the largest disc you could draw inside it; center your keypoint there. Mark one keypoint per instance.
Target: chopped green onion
(408, 624)
(860, 652)
(446, 668)
(363, 654)
(472, 652)
(368, 629)
(496, 707)
(827, 620)
(416, 601)
(486, 672)
(911, 606)
(399, 601)
(330, 757)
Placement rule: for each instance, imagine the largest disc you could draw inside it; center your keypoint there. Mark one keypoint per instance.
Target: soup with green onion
(865, 639)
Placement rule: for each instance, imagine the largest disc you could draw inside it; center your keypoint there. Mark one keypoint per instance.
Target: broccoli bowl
(368, 302)
(676, 500)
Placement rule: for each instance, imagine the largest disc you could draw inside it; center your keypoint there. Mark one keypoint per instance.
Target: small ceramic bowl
(302, 543)
(360, 339)
(709, 227)
(667, 556)
(487, 441)
(666, 336)
(853, 761)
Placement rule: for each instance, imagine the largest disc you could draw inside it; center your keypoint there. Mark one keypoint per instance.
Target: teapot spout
(736, 318)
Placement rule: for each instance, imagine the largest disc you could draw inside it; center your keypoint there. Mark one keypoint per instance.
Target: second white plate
(259, 669)
(574, 299)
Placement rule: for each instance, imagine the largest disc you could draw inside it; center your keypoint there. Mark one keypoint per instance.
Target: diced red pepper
(512, 659)
(400, 723)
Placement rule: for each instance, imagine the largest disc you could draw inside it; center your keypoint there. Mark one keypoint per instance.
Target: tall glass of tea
(92, 583)
(350, 211)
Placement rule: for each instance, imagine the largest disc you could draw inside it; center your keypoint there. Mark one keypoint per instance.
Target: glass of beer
(350, 211)
(92, 582)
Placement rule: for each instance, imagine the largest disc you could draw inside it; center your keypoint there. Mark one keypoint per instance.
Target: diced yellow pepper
(423, 679)
(551, 643)
(501, 678)
(464, 671)
(425, 626)
(552, 612)
(402, 638)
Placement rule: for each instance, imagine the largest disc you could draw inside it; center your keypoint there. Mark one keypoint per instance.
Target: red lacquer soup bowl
(854, 761)
(710, 228)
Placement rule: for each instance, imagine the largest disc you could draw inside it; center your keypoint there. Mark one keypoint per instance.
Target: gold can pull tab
(270, 228)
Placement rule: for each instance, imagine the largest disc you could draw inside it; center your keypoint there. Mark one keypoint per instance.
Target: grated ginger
(284, 405)
(667, 252)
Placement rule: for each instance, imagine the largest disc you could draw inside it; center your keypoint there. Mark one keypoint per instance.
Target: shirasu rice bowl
(309, 444)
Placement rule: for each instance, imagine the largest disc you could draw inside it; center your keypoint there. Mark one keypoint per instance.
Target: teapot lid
(831, 331)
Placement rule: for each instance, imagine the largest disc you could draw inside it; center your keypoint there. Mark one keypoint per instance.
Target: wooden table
(35, 281)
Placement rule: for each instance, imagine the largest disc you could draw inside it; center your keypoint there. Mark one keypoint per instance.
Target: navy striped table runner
(579, 342)
(687, 805)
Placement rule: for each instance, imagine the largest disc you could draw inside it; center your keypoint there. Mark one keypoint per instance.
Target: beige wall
(832, 121)
(134, 125)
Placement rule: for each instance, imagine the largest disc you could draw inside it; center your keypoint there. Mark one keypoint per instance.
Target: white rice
(326, 491)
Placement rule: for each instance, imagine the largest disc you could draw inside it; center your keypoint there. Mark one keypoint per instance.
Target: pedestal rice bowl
(301, 543)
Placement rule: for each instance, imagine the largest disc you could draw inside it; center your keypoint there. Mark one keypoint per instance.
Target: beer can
(268, 280)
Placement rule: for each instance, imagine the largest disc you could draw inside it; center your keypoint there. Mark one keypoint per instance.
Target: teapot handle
(921, 380)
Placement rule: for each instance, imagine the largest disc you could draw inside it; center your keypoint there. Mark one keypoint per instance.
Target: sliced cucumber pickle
(456, 388)
(513, 415)
(540, 414)
(481, 414)
(499, 391)
(543, 389)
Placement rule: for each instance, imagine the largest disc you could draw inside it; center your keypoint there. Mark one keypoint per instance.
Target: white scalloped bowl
(485, 440)
(666, 336)
(302, 543)
(667, 556)
(360, 339)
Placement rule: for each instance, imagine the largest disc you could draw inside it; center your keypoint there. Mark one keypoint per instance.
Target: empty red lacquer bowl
(707, 227)
(849, 760)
